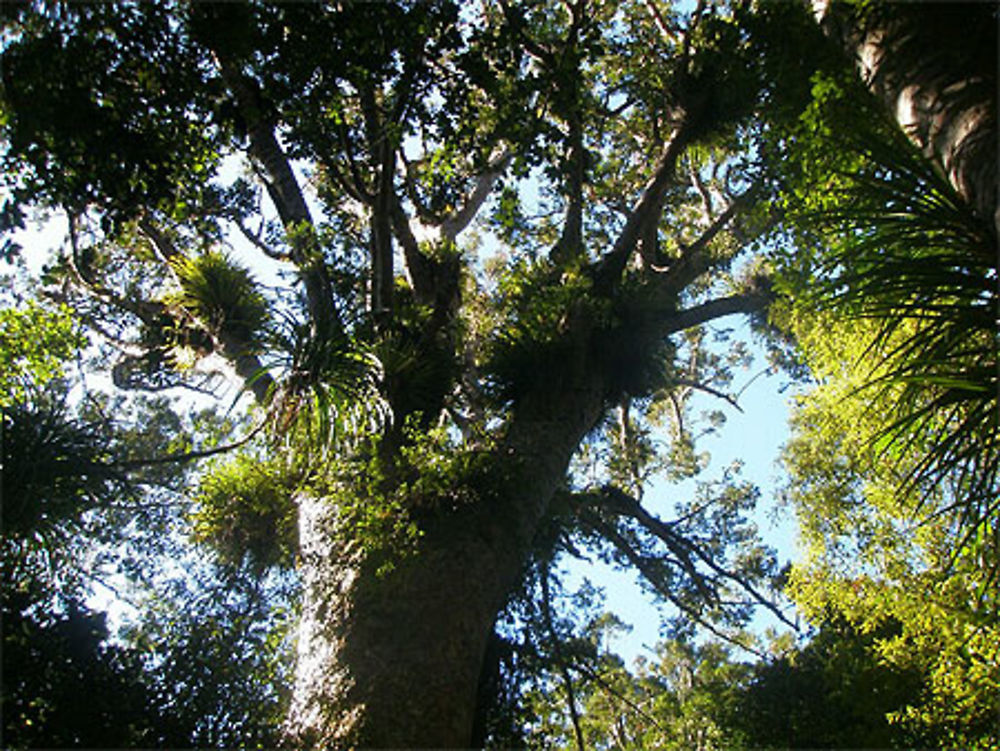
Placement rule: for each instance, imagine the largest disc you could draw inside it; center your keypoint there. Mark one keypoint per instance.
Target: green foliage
(395, 420)
(35, 344)
(86, 80)
(245, 506)
(881, 549)
(54, 469)
(64, 686)
(894, 461)
(883, 237)
(221, 295)
(216, 649)
(528, 344)
(331, 393)
(833, 692)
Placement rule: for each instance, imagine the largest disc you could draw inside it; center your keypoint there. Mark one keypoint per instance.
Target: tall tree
(422, 394)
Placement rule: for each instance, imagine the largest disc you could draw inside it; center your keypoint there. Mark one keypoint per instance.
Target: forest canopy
(364, 319)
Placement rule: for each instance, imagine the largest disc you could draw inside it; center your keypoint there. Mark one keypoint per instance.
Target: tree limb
(747, 302)
(624, 504)
(187, 456)
(286, 195)
(647, 208)
(453, 225)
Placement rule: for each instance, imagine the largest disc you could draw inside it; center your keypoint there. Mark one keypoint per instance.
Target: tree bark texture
(935, 66)
(393, 659)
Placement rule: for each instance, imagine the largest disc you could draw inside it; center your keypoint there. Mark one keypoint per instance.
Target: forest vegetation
(365, 318)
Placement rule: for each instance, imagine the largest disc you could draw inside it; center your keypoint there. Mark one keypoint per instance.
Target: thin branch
(642, 564)
(708, 390)
(622, 503)
(561, 662)
(610, 501)
(145, 310)
(694, 260)
(254, 239)
(608, 688)
(661, 23)
(188, 456)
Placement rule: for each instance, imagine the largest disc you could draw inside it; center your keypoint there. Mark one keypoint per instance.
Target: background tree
(893, 467)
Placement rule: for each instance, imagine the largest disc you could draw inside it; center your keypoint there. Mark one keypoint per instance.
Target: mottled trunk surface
(935, 65)
(393, 660)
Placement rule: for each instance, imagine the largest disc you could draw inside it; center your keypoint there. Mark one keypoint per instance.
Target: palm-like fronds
(906, 251)
(221, 294)
(330, 389)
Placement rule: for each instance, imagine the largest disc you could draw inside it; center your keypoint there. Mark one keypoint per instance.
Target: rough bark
(392, 659)
(934, 65)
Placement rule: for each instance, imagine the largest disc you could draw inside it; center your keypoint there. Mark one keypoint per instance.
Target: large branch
(485, 182)
(286, 195)
(747, 302)
(648, 208)
(424, 271)
(643, 565)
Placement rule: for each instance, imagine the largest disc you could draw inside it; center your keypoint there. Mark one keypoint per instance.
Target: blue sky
(753, 436)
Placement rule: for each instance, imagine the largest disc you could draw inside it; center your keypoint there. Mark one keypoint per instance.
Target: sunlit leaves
(245, 507)
(35, 344)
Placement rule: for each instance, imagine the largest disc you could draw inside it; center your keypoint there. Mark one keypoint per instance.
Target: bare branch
(622, 503)
(747, 302)
(187, 456)
(647, 209)
(285, 193)
(708, 390)
(642, 564)
(254, 239)
(453, 225)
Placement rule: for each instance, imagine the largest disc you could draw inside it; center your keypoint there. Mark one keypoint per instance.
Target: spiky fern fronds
(221, 294)
(331, 389)
(895, 244)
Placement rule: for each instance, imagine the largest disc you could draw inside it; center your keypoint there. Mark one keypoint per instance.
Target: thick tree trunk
(935, 66)
(393, 659)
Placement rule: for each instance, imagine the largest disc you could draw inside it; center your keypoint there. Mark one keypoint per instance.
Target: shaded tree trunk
(934, 65)
(392, 659)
